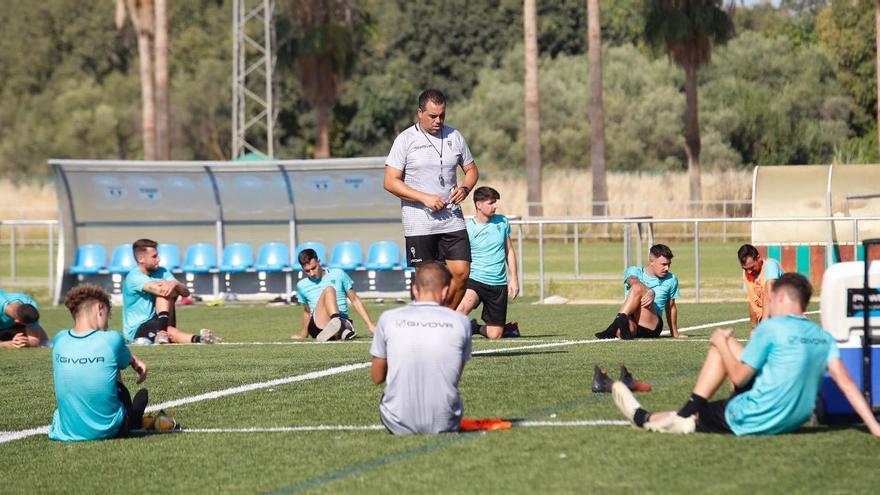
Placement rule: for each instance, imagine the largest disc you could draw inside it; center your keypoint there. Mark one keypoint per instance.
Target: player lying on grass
(649, 291)
(419, 352)
(493, 267)
(758, 277)
(776, 377)
(323, 295)
(20, 322)
(149, 292)
(86, 362)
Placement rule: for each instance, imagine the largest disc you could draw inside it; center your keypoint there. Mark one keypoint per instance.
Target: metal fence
(12, 231)
(645, 228)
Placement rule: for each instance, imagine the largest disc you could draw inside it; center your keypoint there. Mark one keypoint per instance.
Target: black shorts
(494, 300)
(314, 330)
(9, 333)
(150, 328)
(712, 419)
(453, 246)
(647, 333)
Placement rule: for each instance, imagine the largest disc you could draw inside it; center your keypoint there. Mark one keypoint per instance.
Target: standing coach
(421, 171)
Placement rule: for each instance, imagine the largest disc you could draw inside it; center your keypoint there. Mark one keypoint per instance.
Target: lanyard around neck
(439, 152)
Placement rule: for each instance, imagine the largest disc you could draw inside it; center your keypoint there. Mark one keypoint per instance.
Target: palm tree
(329, 35)
(150, 21)
(686, 30)
(532, 108)
(597, 108)
(163, 105)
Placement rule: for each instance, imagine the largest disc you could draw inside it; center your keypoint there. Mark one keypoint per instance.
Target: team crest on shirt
(449, 143)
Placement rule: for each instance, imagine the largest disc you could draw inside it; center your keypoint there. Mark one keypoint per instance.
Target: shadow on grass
(501, 353)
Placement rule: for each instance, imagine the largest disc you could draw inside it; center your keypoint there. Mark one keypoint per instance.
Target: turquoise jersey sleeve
(136, 280)
(301, 295)
(759, 346)
(632, 271)
(346, 282)
(120, 350)
(506, 228)
(674, 293)
(833, 352)
(772, 270)
(167, 275)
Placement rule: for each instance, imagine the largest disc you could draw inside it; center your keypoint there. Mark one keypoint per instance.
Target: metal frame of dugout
(113, 202)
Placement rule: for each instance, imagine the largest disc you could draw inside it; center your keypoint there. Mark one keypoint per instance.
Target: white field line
(298, 429)
(9, 436)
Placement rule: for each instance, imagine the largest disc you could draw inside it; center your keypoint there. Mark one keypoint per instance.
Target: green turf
(544, 383)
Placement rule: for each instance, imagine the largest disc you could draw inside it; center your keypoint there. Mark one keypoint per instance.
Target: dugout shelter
(228, 226)
(822, 191)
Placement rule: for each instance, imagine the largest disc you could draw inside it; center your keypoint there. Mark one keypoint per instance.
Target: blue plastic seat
(347, 255)
(237, 257)
(90, 259)
(169, 256)
(383, 255)
(317, 246)
(200, 257)
(273, 257)
(123, 259)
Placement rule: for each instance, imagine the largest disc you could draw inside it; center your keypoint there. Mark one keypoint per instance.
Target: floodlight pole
(253, 70)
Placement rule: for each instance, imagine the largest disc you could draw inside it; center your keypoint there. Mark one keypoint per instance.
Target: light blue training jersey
(7, 298)
(488, 249)
(772, 269)
(85, 367)
(789, 355)
(138, 305)
(665, 289)
(308, 291)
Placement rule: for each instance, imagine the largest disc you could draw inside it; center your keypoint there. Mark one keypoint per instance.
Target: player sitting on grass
(758, 277)
(649, 291)
(323, 296)
(148, 296)
(419, 352)
(20, 322)
(776, 377)
(490, 283)
(86, 361)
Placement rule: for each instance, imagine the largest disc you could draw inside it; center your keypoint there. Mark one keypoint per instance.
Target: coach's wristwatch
(466, 189)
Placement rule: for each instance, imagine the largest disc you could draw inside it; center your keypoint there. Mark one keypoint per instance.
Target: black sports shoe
(475, 327)
(601, 381)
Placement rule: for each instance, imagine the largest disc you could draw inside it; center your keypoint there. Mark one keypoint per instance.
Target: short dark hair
(432, 277)
(435, 96)
(140, 246)
(485, 193)
(82, 294)
(27, 313)
(658, 250)
(306, 255)
(747, 251)
(797, 285)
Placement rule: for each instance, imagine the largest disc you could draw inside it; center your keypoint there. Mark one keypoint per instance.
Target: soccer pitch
(543, 376)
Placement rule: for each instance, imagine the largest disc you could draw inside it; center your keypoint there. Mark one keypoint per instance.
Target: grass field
(543, 376)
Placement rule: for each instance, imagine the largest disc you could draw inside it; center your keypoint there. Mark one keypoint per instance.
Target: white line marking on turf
(297, 429)
(9, 436)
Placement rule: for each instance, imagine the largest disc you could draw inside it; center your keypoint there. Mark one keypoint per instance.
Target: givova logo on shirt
(794, 339)
(80, 360)
(423, 324)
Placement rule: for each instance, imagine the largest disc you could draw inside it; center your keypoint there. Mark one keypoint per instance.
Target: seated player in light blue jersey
(493, 279)
(323, 295)
(148, 296)
(776, 377)
(649, 292)
(86, 362)
(20, 322)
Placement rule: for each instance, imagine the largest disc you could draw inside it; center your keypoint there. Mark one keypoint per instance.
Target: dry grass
(569, 193)
(27, 201)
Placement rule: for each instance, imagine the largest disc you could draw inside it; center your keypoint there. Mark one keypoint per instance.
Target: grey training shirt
(417, 154)
(426, 346)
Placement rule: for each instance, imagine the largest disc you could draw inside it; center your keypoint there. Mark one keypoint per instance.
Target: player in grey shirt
(421, 171)
(419, 353)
